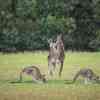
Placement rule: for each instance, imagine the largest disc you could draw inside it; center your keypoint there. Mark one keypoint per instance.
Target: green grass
(56, 88)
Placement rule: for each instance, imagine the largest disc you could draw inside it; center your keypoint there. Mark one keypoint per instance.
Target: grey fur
(87, 74)
(56, 55)
(34, 72)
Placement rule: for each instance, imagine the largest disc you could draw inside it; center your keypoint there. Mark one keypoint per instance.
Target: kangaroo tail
(75, 77)
(20, 77)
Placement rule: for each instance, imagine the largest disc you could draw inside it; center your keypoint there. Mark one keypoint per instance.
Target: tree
(27, 24)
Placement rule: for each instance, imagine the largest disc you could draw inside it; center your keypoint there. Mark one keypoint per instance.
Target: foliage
(27, 24)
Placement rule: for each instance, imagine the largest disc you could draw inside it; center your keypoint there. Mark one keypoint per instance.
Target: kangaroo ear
(49, 40)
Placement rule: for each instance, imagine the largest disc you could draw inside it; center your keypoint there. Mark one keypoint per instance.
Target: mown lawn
(56, 88)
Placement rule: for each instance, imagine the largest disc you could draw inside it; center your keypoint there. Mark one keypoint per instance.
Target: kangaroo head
(96, 78)
(43, 78)
(52, 43)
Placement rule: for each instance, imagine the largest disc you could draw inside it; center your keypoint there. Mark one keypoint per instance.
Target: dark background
(28, 24)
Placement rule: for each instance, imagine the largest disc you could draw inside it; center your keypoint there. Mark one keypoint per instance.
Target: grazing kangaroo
(34, 72)
(56, 55)
(87, 74)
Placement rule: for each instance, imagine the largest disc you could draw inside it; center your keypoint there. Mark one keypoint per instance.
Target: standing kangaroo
(52, 57)
(87, 74)
(56, 55)
(61, 53)
(34, 72)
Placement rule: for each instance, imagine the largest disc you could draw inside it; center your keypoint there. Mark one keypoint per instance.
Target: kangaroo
(87, 74)
(61, 51)
(34, 72)
(56, 54)
(52, 57)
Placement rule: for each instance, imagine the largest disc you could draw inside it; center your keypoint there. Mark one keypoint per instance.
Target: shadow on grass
(57, 82)
(80, 82)
(15, 81)
(26, 81)
(69, 82)
(47, 82)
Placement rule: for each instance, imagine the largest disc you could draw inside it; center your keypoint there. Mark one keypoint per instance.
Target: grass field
(55, 88)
